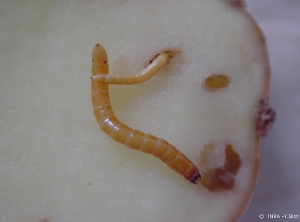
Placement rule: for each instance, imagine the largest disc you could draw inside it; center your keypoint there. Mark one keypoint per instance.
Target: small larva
(124, 134)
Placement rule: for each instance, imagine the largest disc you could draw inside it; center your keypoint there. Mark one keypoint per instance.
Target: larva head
(99, 59)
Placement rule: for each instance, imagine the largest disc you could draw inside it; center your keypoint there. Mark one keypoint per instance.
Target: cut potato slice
(210, 101)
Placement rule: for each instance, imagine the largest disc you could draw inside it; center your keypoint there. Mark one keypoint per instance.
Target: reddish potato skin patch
(265, 117)
(223, 178)
(237, 3)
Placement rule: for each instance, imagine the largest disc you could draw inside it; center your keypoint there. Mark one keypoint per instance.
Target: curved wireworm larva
(122, 133)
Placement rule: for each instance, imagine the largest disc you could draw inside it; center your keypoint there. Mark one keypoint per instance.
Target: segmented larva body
(122, 133)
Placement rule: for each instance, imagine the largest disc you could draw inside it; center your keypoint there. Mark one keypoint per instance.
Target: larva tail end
(196, 179)
(171, 53)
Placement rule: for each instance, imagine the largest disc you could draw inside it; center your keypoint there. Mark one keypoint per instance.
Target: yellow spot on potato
(216, 81)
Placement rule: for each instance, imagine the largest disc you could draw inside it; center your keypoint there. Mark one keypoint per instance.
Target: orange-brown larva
(122, 133)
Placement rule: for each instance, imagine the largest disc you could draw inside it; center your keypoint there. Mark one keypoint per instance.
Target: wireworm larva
(122, 133)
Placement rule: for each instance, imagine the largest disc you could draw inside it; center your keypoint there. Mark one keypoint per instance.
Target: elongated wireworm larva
(122, 133)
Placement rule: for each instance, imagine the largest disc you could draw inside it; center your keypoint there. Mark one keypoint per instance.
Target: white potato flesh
(56, 163)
